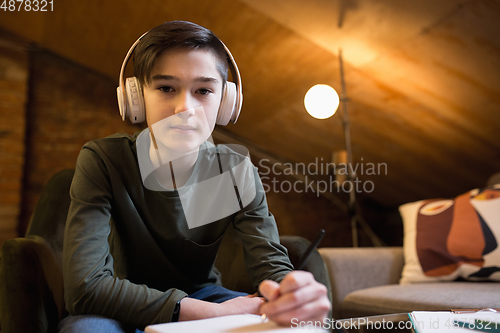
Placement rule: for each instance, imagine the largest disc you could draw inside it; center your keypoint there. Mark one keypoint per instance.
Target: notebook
(246, 323)
(447, 321)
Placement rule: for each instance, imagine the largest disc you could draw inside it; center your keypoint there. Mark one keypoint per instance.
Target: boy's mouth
(184, 127)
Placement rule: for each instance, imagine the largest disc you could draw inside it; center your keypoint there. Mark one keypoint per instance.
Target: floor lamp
(321, 102)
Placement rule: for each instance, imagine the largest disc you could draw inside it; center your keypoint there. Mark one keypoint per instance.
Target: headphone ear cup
(122, 106)
(227, 105)
(135, 107)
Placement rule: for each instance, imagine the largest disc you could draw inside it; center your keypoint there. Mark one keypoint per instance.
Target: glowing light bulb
(321, 101)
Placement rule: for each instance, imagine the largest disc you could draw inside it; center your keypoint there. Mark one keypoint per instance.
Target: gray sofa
(365, 282)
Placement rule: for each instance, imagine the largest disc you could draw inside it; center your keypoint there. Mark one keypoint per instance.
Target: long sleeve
(90, 284)
(265, 257)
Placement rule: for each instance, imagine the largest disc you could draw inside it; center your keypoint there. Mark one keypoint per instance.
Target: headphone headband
(131, 101)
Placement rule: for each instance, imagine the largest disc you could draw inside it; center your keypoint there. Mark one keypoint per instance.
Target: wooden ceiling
(422, 77)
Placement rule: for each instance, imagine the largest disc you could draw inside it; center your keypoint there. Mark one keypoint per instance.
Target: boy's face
(182, 99)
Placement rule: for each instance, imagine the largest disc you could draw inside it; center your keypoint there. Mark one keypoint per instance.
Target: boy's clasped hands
(299, 297)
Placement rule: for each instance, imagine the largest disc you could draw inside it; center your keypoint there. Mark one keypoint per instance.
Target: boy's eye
(165, 89)
(204, 91)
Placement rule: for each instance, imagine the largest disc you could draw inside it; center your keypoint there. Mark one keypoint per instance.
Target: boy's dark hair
(176, 35)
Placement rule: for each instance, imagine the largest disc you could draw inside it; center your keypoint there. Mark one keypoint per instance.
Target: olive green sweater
(129, 253)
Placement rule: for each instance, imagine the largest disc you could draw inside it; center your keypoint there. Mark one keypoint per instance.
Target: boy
(148, 211)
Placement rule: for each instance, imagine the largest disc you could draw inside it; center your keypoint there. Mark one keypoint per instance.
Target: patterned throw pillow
(445, 240)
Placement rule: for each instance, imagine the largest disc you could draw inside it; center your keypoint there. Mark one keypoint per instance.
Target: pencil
(311, 247)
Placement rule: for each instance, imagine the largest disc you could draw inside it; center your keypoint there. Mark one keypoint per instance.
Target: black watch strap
(177, 311)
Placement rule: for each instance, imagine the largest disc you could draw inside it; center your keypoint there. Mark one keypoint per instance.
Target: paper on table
(231, 324)
(442, 321)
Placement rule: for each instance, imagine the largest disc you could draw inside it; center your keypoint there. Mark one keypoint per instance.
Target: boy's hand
(299, 296)
(193, 309)
(241, 305)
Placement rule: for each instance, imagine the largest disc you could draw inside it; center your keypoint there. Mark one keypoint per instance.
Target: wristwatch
(177, 311)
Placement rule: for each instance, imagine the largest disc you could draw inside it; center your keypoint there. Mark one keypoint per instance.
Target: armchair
(31, 285)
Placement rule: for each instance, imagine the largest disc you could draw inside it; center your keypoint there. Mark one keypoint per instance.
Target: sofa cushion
(419, 297)
(446, 239)
(349, 269)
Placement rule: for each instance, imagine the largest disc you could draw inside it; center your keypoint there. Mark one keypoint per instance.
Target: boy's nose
(185, 105)
(186, 113)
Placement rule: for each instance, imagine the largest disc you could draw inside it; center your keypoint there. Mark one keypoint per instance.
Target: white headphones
(131, 99)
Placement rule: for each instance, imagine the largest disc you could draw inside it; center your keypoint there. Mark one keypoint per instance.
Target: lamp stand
(347, 137)
(353, 211)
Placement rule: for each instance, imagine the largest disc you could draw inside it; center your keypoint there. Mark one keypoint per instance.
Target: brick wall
(13, 97)
(68, 106)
